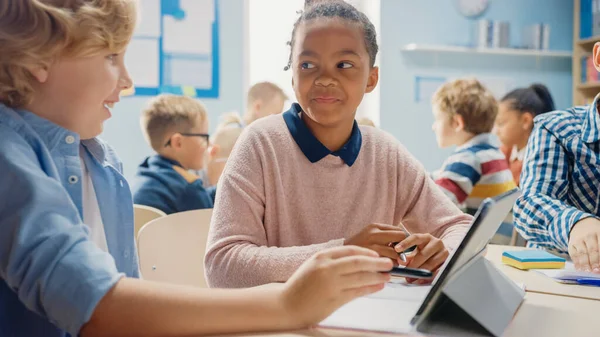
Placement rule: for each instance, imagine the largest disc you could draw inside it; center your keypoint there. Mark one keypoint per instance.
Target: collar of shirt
(55, 136)
(481, 139)
(591, 126)
(517, 154)
(162, 162)
(312, 148)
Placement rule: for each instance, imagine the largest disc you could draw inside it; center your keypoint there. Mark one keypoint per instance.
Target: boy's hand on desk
(377, 237)
(332, 278)
(430, 253)
(584, 244)
(188, 176)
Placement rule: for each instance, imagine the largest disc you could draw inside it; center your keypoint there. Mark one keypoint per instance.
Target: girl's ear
(373, 79)
(527, 120)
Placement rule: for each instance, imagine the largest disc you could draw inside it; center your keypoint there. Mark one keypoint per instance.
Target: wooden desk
(549, 309)
(536, 282)
(539, 315)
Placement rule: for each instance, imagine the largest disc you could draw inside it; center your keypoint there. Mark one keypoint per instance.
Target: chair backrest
(171, 249)
(142, 215)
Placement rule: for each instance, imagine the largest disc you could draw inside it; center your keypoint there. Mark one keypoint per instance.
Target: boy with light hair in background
(464, 114)
(264, 99)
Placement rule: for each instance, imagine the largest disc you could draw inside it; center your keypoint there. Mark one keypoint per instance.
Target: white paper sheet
(567, 274)
(142, 62)
(389, 310)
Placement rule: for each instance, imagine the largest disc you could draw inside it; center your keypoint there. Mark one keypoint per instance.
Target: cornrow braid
(316, 9)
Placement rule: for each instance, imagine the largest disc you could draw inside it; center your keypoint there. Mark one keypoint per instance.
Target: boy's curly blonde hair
(34, 33)
(468, 98)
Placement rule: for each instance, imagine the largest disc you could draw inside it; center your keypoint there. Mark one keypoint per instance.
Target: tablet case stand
(478, 300)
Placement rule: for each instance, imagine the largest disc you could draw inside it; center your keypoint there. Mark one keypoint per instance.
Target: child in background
(176, 127)
(222, 142)
(68, 264)
(264, 99)
(464, 113)
(311, 178)
(514, 122)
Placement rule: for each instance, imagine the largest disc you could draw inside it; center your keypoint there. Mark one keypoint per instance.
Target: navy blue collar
(312, 148)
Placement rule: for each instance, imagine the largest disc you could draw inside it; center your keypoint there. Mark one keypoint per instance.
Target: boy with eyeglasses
(176, 127)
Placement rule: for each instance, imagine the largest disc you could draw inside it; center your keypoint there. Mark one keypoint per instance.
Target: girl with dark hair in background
(514, 122)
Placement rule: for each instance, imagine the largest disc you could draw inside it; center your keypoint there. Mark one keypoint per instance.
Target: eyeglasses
(206, 137)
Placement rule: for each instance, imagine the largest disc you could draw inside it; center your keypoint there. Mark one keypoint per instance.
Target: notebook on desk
(568, 274)
(532, 259)
(398, 308)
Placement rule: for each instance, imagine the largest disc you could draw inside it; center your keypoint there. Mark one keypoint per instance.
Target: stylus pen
(403, 253)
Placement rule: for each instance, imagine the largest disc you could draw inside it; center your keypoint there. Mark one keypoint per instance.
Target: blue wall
(123, 131)
(439, 22)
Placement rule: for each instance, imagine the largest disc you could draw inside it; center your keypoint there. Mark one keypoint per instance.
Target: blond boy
(264, 99)
(464, 113)
(222, 142)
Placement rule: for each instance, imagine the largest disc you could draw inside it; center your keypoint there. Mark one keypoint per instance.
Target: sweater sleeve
(238, 254)
(423, 207)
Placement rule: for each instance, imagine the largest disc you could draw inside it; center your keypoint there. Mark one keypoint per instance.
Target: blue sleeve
(196, 197)
(45, 255)
(542, 214)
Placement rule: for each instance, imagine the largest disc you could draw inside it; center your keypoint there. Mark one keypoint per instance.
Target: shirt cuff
(73, 300)
(569, 217)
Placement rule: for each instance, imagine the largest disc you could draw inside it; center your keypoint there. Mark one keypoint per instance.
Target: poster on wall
(175, 49)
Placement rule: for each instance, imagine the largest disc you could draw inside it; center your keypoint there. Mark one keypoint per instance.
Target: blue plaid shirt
(561, 176)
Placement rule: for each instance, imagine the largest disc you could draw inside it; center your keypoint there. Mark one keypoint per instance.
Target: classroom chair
(142, 215)
(171, 249)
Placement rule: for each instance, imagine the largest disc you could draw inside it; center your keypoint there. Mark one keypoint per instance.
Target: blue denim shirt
(51, 275)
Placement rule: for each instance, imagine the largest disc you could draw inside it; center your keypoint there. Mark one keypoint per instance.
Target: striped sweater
(475, 171)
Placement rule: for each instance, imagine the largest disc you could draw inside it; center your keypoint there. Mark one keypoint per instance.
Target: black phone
(411, 272)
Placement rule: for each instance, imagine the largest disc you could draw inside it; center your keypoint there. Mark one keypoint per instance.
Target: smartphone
(411, 272)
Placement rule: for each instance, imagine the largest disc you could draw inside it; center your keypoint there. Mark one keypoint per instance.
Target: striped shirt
(475, 171)
(560, 177)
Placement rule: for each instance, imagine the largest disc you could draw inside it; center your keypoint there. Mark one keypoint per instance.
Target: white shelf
(413, 47)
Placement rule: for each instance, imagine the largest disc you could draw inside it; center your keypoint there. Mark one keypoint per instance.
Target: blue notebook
(532, 259)
(533, 256)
